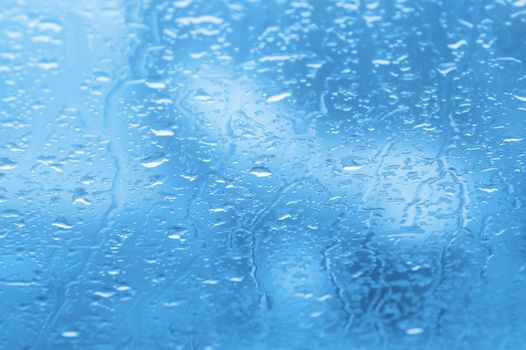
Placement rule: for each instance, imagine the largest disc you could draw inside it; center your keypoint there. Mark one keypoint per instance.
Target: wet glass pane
(262, 174)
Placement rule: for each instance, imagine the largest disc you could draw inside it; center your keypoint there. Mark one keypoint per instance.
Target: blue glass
(262, 174)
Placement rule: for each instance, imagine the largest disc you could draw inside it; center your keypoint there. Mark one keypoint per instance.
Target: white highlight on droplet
(154, 163)
(457, 45)
(62, 225)
(70, 334)
(260, 173)
(162, 133)
(199, 20)
(211, 282)
(352, 167)
(488, 190)
(414, 331)
(157, 85)
(279, 97)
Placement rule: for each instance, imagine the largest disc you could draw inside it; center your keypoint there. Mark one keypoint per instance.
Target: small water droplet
(260, 171)
(62, 225)
(414, 331)
(154, 163)
(70, 334)
(279, 97)
(352, 167)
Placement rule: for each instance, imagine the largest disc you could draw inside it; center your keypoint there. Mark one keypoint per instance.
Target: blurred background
(262, 174)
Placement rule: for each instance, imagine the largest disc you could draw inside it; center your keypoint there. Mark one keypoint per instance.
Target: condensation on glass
(262, 174)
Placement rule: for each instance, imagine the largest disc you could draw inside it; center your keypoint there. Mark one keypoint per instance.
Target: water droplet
(154, 163)
(279, 97)
(211, 282)
(162, 133)
(260, 171)
(6, 164)
(414, 331)
(62, 225)
(199, 20)
(352, 167)
(488, 190)
(156, 85)
(70, 334)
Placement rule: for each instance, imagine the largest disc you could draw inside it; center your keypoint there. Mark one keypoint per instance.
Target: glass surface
(262, 174)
